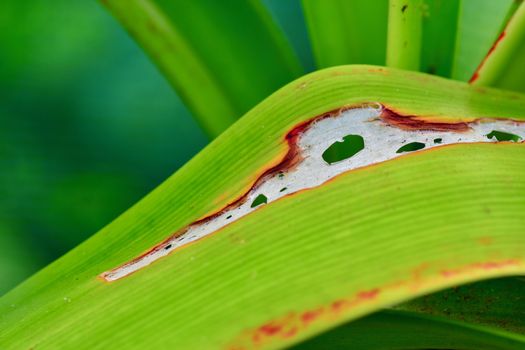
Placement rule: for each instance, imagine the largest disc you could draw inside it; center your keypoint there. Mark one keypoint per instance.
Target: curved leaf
(472, 42)
(389, 330)
(503, 66)
(367, 239)
(439, 36)
(498, 303)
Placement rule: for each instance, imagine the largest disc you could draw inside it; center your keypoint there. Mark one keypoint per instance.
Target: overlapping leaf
(303, 264)
(222, 57)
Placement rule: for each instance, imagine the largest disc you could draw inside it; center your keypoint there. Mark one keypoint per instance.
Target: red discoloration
(475, 76)
(369, 294)
(311, 316)
(339, 305)
(482, 266)
(270, 329)
(412, 123)
(282, 328)
(449, 273)
(293, 156)
(491, 265)
(290, 333)
(295, 323)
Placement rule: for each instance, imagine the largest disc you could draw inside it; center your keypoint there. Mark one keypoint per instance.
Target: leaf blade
(232, 282)
(347, 32)
(439, 36)
(494, 303)
(212, 75)
(503, 65)
(471, 43)
(405, 330)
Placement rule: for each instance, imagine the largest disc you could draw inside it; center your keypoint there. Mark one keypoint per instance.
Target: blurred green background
(87, 125)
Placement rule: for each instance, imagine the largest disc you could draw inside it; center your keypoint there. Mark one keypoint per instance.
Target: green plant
(354, 243)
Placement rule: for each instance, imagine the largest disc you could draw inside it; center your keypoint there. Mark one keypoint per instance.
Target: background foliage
(82, 138)
(88, 125)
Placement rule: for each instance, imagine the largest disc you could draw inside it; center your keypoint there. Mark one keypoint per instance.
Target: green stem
(404, 34)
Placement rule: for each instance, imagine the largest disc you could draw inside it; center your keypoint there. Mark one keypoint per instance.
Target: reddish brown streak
(369, 294)
(410, 122)
(487, 266)
(311, 316)
(293, 156)
(289, 160)
(293, 323)
(475, 76)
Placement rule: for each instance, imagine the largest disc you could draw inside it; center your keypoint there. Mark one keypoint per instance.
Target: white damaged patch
(374, 140)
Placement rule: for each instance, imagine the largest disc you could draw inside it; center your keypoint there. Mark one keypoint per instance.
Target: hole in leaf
(411, 147)
(503, 136)
(345, 149)
(438, 140)
(283, 189)
(260, 199)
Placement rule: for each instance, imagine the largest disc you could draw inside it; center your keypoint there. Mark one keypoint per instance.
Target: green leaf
(305, 263)
(494, 303)
(405, 18)
(289, 15)
(404, 330)
(221, 62)
(347, 32)
(479, 24)
(503, 66)
(439, 36)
